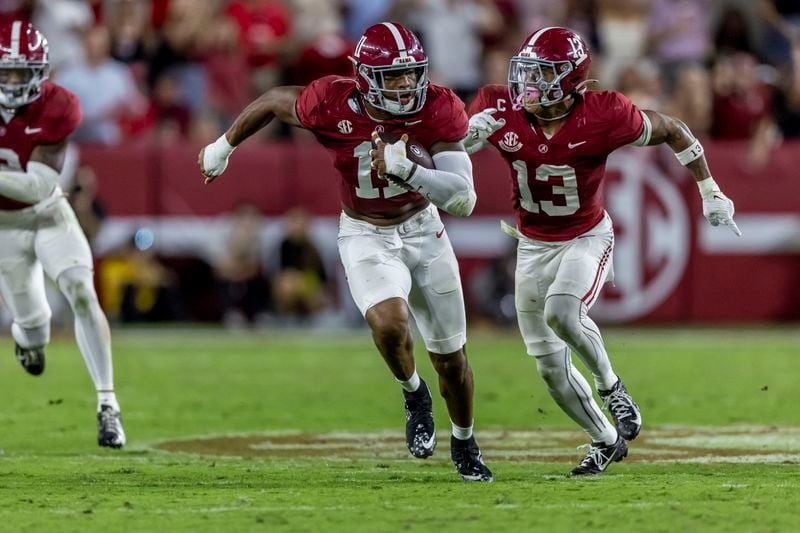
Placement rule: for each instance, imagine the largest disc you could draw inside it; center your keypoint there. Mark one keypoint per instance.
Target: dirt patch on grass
(686, 444)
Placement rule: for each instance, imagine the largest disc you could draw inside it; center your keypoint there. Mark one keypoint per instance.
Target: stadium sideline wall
(670, 264)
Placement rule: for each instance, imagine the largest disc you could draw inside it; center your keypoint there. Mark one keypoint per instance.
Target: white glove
(717, 208)
(215, 158)
(395, 157)
(481, 126)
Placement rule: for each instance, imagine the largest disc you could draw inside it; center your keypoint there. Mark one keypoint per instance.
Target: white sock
(609, 436)
(462, 433)
(107, 397)
(411, 384)
(31, 337)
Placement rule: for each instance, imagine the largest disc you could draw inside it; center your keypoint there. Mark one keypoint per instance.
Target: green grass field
(316, 443)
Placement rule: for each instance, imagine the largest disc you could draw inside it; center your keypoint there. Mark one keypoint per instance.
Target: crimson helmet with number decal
(390, 49)
(552, 64)
(24, 63)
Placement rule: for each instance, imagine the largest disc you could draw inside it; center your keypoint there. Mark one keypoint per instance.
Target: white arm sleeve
(449, 186)
(33, 186)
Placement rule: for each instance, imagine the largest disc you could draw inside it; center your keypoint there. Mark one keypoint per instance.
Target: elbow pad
(462, 203)
(449, 186)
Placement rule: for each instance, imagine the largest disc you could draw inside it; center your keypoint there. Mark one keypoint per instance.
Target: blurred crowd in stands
(180, 70)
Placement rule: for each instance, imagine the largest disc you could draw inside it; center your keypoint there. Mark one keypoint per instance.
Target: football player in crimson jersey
(555, 136)
(39, 232)
(392, 243)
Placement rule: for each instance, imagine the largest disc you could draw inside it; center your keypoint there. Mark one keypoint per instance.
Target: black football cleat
(468, 460)
(420, 433)
(623, 410)
(109, 428)
(600, 456)
(31, 359)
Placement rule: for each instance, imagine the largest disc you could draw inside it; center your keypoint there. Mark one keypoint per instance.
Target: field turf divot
(683, 444)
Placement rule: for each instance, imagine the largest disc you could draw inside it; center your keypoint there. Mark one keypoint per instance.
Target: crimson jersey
(557, 182)
(49, 119)
(331, 109)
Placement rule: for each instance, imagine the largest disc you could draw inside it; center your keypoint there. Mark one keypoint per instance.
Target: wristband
(707, 187)
(693, 152)
(222, 146)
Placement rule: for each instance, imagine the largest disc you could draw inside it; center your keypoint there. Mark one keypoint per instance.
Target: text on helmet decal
(578, 51)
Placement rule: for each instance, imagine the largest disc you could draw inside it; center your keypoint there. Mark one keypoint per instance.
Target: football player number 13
(365, 188)
(569, 189)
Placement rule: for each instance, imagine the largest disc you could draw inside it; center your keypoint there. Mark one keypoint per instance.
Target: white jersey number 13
(569, 189)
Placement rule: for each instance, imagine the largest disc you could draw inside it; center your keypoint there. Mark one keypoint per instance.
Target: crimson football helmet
(552, 64)
(24, 63)
(390, 49)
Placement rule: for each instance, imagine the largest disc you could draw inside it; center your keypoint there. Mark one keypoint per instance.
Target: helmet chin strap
(579, 89)
(564, 114)
(393, 106)
(550, 119)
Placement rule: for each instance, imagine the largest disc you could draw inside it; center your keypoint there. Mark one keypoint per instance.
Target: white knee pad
(31, 337)
(553, 369)
(77, 285)
(562, 313)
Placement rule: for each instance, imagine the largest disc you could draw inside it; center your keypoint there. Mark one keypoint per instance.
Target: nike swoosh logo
(440, 233)
(428, 444)
(413, 122)
(31, 131)
(575, 145)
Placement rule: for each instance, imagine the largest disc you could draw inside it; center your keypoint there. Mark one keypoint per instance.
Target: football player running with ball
(396, 254)
(556, 136)
(39, 232)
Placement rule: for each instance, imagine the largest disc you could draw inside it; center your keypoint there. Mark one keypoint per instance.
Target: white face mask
(377, 95)
(535, 79)
(18, 94)
(396, 108)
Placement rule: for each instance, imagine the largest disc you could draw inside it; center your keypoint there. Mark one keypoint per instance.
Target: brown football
(414, 150)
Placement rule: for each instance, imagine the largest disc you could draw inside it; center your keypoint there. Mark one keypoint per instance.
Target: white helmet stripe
(359, 45)
(401, 46)
(539, 33)
(16, 29)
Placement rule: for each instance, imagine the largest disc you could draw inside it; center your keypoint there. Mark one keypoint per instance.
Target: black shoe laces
(469, 456)
(417, 408)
